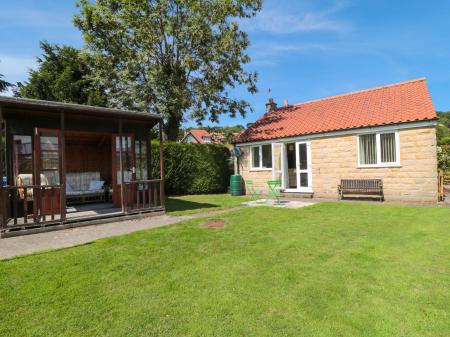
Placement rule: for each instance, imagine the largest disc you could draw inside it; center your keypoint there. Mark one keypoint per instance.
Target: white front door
(303, 166)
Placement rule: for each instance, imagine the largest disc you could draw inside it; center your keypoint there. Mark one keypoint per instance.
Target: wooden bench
(360, 187)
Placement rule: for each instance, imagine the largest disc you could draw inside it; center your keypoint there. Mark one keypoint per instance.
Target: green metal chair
(250, 188)
(274, 191)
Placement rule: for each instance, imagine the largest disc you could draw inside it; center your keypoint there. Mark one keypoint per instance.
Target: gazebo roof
(57, 107)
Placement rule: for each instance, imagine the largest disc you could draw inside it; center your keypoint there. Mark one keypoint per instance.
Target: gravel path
(27, 244)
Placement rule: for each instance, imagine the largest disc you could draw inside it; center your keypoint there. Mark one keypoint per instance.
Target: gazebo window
(140, 151)
(23, 155)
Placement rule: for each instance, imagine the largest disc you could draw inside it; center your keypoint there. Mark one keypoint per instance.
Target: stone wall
(259, 177)
(335, 158)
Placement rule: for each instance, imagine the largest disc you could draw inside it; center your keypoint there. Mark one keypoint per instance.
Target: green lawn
(333, 269)
(189, 204)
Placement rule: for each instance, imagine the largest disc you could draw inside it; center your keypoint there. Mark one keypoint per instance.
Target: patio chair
(254, 193)
(274, 191)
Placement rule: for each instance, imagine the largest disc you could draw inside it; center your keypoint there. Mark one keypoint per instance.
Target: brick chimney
(286, 103)
(271, 106)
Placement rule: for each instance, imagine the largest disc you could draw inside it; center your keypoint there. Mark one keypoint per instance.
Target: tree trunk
(172, 128)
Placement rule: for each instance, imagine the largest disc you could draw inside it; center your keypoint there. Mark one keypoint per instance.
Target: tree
(443, 128)
(226, 129)
(63, 75)
(3, 84)
(175, 57)
(229, 132)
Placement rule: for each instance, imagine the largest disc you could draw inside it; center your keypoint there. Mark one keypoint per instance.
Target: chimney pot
(286, 103)
(271, 106)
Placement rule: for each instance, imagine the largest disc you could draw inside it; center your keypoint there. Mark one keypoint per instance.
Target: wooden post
(62, 192)
(2, 194)
(37, 200)
(148, 147)
(441, 193)
(2, 143)
(161, 164)
(122, 180)
(149, 162)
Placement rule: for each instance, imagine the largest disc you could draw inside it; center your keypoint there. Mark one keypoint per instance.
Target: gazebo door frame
(119, 153)
(48, 201)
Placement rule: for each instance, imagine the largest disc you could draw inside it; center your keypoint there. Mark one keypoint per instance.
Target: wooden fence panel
(441, 191)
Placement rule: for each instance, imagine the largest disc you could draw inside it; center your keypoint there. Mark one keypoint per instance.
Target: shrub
(443, 155)
(193, 168)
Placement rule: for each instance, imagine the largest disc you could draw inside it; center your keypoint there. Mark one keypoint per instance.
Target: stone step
(297, 195)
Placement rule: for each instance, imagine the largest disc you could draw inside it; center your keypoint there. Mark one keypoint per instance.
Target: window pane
(367, 149)
(23, 156)
(303, 157)
(126, 159)
(267, 156)
(49, 143)
(304, 179)
(255, 156)
(118, 174)
(137, 159)
(388, 147)
(49, 160)
(127, 152)
(140, 151)
(291, 156)
(49, 177)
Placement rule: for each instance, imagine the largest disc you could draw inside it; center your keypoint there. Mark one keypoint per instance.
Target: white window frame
(378, 149)
(260, 168)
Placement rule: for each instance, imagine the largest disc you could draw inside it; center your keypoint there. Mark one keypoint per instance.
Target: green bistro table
(274, 191)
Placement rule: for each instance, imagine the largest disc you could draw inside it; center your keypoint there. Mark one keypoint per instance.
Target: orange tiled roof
(391, 104)
(198, 134)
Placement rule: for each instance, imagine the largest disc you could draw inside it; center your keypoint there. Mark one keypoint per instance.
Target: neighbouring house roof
(391, 104)
(27, 103)
(200, 135)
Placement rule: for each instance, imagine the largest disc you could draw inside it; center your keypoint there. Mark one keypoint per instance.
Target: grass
(190, 204)
(332, 269)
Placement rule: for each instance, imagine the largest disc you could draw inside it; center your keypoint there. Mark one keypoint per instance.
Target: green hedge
(193, 168)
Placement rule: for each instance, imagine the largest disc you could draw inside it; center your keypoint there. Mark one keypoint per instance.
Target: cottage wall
(335, 158)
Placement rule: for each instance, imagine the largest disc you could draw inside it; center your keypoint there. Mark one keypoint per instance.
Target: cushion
(72, 193)
(25, 179)
(80, 181)
(96, 185)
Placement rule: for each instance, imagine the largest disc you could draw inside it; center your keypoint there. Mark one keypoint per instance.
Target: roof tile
(391, 104)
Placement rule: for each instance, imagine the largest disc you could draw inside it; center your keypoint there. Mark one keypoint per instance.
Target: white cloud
(267, 54)
(263, 49)
(281, 22)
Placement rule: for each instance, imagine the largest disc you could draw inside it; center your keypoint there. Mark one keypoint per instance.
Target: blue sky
(301, 49)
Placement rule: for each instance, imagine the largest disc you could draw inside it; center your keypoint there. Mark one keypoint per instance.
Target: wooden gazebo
(67, 164)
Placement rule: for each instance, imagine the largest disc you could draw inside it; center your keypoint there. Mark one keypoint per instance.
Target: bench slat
(362, 187)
